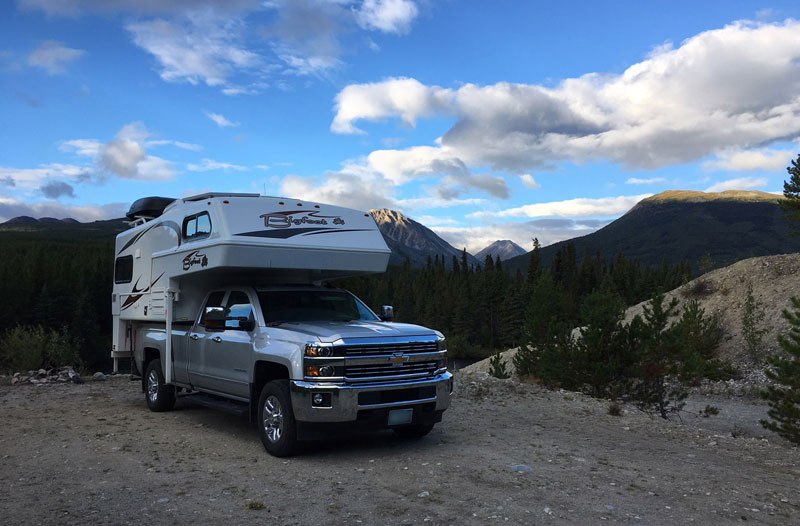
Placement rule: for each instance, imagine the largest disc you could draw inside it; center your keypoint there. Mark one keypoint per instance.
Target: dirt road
(505, 453)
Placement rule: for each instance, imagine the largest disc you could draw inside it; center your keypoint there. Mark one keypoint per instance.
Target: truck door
(224, 354)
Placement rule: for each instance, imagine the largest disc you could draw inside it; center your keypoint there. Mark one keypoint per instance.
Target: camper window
(197, 226)
(123, 269)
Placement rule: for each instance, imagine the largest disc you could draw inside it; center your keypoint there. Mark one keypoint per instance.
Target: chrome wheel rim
(273, 418)
(152, 386)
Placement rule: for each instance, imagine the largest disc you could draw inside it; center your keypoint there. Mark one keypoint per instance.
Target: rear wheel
(413, 432)
(276, 424)
(160, 396)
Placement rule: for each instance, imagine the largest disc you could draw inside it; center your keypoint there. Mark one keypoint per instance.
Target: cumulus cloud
(207, 165)
(56, 189)
(651, 180)
(581, 207)
(404, 97)
(10, 208)
(388, 16)
(220, 120)
(53, 56)
(345, 188)
(547, 231)
(748, 160)
(126, 155)
(742, 183)
(720, 90)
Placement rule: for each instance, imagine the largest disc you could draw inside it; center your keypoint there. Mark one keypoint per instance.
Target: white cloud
(529, 181)
(220, 120)
(199, 48)
(580, 207)
(182, 145)
(743, 183)
(747, 160)
(652, 180)
(343, 189)
(53, 56)
(78, 7)
(388, 16)
(34, 178)
(720, 90)
(407, 98)
(85, 147)
(208, 165)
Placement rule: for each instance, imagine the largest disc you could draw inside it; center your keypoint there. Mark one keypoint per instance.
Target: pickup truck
(299, 360)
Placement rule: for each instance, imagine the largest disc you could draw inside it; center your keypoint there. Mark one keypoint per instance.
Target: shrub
(32, 347)
(497, 367)
(752, 317)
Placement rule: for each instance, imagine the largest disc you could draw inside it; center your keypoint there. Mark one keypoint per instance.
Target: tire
(160, 396)
(413, 432)
(276, 424)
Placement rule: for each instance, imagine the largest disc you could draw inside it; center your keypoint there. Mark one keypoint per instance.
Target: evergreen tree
(791, 191)
(784, 398)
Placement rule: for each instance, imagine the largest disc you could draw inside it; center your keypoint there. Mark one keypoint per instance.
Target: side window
(123, 269)
(239, 310)
(197, 226)
(214, 300)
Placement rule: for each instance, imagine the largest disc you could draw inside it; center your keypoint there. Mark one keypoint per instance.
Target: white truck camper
(218, 298)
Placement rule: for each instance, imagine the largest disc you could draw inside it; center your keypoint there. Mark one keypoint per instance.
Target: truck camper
(218, 298)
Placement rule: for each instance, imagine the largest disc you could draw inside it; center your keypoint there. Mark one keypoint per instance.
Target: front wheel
(160, 396)
(277, 427)
(413, 432)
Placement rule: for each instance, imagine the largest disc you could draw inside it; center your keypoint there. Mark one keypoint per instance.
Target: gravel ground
(507, 452)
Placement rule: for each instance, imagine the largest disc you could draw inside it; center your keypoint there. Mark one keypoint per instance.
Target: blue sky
(482, 119)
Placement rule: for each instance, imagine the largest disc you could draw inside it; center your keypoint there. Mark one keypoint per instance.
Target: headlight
(313, 349)
(441, 344)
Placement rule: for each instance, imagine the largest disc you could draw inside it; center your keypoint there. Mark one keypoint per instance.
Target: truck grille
(388, 370)
(390, 349)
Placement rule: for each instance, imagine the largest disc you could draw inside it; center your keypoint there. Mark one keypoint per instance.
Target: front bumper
(348, 400)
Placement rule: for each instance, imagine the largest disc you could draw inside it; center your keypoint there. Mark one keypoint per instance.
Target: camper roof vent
(148, 208)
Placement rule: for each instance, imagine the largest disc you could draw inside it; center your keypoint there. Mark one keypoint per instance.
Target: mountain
(409, 239)
(24, 227)
(504, 249)
(686, 225)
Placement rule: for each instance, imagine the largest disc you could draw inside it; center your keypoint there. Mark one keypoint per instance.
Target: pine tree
(791, 191)
(784, 398)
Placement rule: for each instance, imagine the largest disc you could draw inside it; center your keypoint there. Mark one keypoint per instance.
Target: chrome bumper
(345, 404)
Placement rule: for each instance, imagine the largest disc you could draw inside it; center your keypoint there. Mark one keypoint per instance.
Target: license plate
(400, 416)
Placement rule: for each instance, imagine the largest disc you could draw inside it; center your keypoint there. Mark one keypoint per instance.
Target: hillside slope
(505, 249)
(684, 225)
(409, 239)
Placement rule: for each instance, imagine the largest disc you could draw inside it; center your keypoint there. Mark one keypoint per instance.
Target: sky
(481, 119)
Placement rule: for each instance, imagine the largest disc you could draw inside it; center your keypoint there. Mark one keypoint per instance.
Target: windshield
(312, 305)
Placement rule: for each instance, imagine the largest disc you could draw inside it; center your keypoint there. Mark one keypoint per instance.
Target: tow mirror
(214, 318)
(387, 313)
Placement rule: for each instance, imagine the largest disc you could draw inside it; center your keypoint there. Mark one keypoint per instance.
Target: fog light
(326, 370)
(321, 400)
(318, 399)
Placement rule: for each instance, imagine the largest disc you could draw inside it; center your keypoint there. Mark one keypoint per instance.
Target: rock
(521, 468)
(15, 380)
(76, 378)
(99, 377)
(424, 494)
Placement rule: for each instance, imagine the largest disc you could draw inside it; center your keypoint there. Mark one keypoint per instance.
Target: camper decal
(288, 219)
(293, 232)
(194, 258)
(166, 224)
(136, 293)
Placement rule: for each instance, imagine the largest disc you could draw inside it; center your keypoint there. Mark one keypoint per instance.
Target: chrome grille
(390, 349)
(388, 370)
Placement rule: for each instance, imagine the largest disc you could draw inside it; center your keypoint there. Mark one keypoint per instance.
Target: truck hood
(328, 332)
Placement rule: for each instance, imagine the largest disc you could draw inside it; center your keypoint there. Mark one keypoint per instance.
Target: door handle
(194, 336)
(216, 339)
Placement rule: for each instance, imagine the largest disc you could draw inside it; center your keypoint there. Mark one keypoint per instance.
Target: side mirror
(214, 318)
(387, 313)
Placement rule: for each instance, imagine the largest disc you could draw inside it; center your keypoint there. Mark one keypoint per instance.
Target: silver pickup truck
(299, 360)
